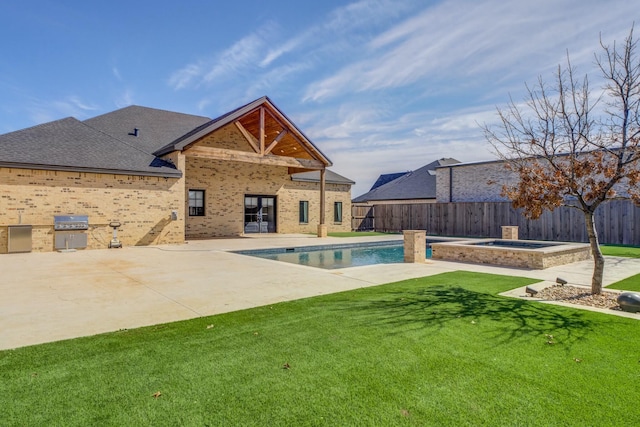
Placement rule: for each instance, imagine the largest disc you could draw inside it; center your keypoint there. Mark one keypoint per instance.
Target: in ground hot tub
(533, 254)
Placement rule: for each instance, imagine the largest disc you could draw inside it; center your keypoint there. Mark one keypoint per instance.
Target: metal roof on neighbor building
(418, 184)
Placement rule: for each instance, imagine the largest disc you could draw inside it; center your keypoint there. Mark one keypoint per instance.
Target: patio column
(322, 227)
(509, 232)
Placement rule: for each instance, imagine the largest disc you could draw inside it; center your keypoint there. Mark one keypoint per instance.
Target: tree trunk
(598, 259)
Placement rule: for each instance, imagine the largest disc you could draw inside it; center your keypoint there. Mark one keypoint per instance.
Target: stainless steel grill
(70, 222)
(70, 231)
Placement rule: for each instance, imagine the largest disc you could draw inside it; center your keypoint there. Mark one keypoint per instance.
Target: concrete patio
(47, 297)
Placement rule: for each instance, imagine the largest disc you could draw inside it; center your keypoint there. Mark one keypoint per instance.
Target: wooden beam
(262, 131)
(299, 170)
(250, 138)
(255, 158)
(275, 141)
(294, 134)
(322, 203)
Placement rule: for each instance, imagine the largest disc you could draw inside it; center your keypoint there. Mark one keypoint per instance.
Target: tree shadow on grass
(436, 307)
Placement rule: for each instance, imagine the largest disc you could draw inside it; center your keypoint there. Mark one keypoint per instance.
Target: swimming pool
(337, 256)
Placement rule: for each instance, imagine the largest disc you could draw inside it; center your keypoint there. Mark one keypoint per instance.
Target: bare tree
(569, 149)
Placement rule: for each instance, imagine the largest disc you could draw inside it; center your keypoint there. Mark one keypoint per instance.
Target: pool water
(338, 256)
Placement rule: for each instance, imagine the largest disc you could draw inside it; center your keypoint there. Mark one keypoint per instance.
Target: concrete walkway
(53, 296)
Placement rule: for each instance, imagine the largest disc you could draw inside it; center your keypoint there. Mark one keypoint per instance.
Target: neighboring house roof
(418, 184)
(385, 178)
(314, 176)
(69, 144)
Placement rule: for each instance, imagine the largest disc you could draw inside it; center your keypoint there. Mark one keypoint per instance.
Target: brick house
(413, 187)
(168, 176)
(473, 182)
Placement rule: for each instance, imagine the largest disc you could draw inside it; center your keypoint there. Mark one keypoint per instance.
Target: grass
(621, 250)
(631, 283)
(438, 351)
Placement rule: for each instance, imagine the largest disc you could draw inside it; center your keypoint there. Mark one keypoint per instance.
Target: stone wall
(464, 251)
(226, 183)
(142, 204)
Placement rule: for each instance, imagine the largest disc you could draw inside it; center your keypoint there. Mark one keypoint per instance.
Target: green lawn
(621, 250)
(631, 283)
(437, 351)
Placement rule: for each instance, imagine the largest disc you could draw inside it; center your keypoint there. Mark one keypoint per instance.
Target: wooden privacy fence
(362, 218)
(617, 222)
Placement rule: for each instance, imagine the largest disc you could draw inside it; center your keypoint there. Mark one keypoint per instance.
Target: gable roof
(243, 112)
(132, 139)
(314, 176)
(383, 179)
(418, 184)
(69, 144)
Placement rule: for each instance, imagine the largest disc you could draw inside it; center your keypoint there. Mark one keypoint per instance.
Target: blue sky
(379, 85)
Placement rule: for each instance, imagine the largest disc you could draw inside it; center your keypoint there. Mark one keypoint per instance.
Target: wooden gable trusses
(273, 140)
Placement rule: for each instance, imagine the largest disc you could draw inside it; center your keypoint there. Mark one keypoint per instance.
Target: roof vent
(135, 132)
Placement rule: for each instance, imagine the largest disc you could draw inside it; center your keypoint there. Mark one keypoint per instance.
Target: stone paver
(53, 296)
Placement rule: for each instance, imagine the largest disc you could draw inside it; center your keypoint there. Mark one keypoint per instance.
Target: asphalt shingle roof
(314, 176)
(156, 128)
(385, 178)
(109, 143)
(418, 184)
(69, 144)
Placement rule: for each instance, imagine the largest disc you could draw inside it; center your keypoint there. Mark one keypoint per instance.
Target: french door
(259, 214)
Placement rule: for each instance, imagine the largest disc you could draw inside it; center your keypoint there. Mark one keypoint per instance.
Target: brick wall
(294, 192)
(481, 182)
(226, 183)
(142, 204)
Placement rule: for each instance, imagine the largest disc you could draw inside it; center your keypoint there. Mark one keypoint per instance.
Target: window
(304, 212)
(196, 202)
(337, 212)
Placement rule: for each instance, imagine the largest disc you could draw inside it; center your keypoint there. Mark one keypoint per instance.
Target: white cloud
(288, 46)
(116, 73)
(124, 99)
(185, 76)
(467, 39)
(72, 106)
(242, 56)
